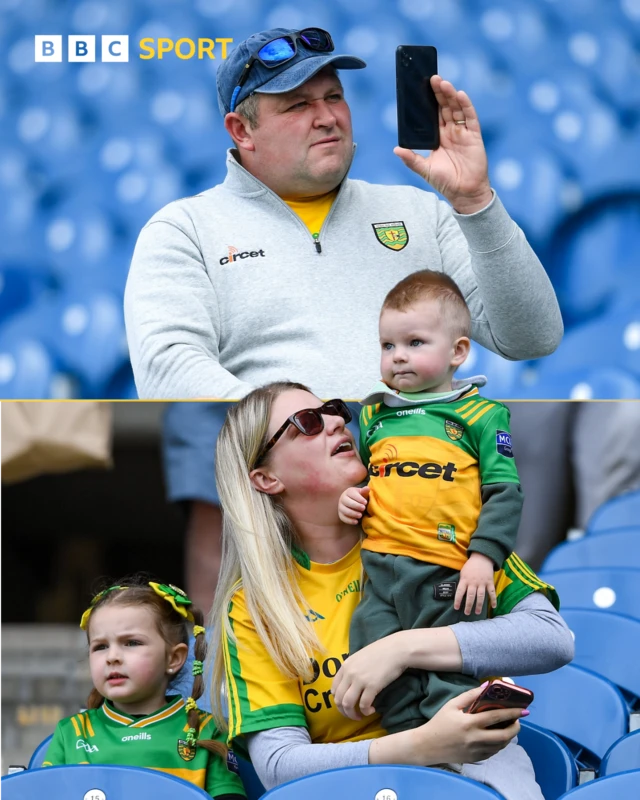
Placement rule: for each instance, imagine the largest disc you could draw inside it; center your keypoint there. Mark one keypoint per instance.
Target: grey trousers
(509, 772)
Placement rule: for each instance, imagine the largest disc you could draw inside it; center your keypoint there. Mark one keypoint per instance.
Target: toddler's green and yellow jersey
(427, 464)
(106, 736)
(260, 697)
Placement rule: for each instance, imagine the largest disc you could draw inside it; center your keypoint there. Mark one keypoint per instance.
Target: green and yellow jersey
(158, 741)
(260, 697)
(427, 464)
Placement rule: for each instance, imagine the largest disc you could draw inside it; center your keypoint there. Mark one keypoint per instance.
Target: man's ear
(239, 130)
(461, 349)
(265, 481)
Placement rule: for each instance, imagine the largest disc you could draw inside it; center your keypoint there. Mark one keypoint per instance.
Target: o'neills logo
(137, 737)
(235, 255)
(407, 469)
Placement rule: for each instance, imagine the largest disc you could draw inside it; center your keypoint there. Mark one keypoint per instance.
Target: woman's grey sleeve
(532, 638)
(284, 754)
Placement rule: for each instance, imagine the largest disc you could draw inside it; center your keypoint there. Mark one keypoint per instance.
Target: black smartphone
(418, 127)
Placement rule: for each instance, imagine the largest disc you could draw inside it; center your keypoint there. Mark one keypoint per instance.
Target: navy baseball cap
(276, 80)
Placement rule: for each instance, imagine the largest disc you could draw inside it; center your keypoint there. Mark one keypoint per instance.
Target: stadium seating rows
(90, 151)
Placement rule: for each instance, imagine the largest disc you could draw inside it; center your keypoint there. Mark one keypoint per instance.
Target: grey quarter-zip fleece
(228, 290)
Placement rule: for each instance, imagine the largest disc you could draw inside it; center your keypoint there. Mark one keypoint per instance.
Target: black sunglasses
(309, 422)
(282, 49)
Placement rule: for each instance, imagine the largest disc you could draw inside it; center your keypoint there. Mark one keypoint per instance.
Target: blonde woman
(290, 579)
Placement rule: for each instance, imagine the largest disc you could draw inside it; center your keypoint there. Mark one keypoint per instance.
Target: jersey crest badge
(446, 533)
(186, 751)
(454, 430)
(391, 234)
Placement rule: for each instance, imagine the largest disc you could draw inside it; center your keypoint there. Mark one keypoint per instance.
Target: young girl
(138, 634)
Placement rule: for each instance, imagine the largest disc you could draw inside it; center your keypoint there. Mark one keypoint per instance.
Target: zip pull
(316, 241)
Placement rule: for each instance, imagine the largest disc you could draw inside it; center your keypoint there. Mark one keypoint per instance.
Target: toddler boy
(443, 501)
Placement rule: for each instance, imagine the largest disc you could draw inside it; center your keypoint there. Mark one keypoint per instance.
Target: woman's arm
(532, 638)
(285, 754)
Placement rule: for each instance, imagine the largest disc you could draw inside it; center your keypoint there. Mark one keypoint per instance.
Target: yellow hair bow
(175, 596)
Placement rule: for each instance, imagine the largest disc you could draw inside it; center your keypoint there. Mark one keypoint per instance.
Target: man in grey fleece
(233, 288)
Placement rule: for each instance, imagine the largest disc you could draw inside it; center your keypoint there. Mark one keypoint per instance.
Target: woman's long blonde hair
(256, 548)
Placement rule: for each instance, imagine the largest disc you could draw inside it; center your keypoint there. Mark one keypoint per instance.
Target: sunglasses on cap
(309, 421)
(282, 49)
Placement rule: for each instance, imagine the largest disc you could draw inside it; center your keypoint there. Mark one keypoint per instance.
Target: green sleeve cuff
(495, 536)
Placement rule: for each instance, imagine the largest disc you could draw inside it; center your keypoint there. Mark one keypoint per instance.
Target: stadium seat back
(623, 786)
(608, 644)
(77, 781)
(623, 755)
(579, 705)
(614, 589)
(554, 766)
(581, 384)
(39, 753)
(617, 513)
(619, 548)
(360, 782)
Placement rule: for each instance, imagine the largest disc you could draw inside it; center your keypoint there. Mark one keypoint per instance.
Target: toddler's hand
(352, 504)
(476, 581)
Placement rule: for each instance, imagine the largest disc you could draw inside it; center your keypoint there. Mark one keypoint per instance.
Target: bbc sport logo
(49, 48)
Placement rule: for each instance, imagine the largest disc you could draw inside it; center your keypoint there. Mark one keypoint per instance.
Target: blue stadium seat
(530, 179)
(619, 548)
(608, 644)
(125, 783)
(21, 285)
(623, 786)
(616, 589)
(612, 340)
(360, 782)
(623, 755)
(620, 512)
(26, 369)
(543, 383)
(87, 335)
(502, 375)
(591, 262)
(37, 757)
(584, 708)
(552, 760)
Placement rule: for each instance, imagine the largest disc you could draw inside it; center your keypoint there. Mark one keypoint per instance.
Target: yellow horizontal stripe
(480, 413)
(76, 726)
